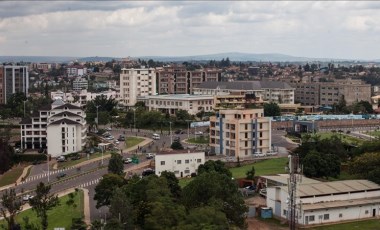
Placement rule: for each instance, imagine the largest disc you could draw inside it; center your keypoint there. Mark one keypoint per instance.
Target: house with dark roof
(270, 91)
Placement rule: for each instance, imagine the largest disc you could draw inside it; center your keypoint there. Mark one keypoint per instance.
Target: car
(179, 131)
(149, 156)
(61, 159)
(271, 153)
(155, 136)
(27, 197)
(116, 142)
(77, 157)
(198, 133)
(127, 160)
(177, 138)
(61, 175)
(109, 138)
(36, 162)
(259, 154)
(108, 129)
(147, 172)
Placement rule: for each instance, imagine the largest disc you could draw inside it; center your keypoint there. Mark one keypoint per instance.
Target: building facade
(170, 104)
(80, 84)
(328, 202)
(178, 80)
(76, 71)
(1, 85)
(269, 91)
(135, 83)
(15, 79)
(240, 133)
(182, 164)
(59, 127)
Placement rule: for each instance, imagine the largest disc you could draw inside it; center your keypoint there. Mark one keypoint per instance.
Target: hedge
(17, 158)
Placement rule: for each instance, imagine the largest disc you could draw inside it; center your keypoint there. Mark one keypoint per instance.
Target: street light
(134, 118)
(48, 171)
(170, 131)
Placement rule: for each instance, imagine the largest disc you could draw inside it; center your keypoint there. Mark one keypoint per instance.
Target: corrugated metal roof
(340, 203)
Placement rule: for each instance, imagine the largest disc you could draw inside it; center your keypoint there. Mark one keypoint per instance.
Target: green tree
(121, 208)
(365, 164)
(176, 145)
(42, 202)
(6, 150)
(78, 224)
(16, 103)
(116, 165)
(114, 224)
(250, 174)
(11, 205)
(173, 183)
(105, 188)
(271, 109)
(206, 217)
(214, 166)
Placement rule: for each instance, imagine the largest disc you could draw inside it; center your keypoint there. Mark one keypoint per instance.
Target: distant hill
(48, 59)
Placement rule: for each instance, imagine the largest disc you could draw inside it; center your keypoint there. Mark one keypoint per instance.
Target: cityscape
(119, 115)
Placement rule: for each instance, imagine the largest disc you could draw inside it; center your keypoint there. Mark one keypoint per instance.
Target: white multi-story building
(270, 91)
(328, 202)
(180, 163)
(83, 96)
(240, 133)
(76, 71)
(15, 79)
(59, 127)
(172, 103)
(135, 83)
(80, 83)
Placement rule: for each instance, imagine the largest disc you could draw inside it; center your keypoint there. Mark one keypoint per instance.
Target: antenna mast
(294, 178)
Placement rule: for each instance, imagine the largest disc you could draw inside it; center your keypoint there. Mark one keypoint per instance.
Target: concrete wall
(189, 163)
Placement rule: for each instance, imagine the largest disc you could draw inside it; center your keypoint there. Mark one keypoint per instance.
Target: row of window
(180, 161)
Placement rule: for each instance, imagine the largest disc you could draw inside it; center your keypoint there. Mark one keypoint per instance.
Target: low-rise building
(240, 133)
(80, 83)
(327, 202)
(181, 163)
(170, 104)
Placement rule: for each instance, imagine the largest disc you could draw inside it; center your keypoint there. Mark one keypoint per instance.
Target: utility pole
(294, 178)
(170, 131)
(188, 129)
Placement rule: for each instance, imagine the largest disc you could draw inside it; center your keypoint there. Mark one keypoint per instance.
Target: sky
(321, 29)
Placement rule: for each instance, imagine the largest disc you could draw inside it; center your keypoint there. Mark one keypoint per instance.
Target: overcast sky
(119, 29)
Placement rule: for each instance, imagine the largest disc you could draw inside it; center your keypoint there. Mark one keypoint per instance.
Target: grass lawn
(184, 181)
(345, 138)
(70, 163)
(11, 176)
(366, 224)
(265, 167)
(374, 133)
(132, 141)
(199, 140)
(60, 216)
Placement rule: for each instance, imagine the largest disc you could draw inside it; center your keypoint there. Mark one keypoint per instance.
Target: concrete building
(83, 96)
(177, 80)
(236, 100)
(135, 83)
(1, 85)
(328, 202)
(330, 93)
(270, 91)
(172, 103)
(80, 84)
(240, 133)
(182, 164)
(76, 71)
(59, 127)
(15, 79)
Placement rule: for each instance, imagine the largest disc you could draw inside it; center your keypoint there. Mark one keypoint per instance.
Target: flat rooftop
(283, 179)
(340, 203)
(179, 96)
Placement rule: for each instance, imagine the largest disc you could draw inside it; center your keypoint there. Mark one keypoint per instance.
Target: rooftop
(283, 179)
(180, 96)
(245, 85)
(340, 203)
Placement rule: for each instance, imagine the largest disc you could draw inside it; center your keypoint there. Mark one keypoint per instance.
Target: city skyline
(347, 30)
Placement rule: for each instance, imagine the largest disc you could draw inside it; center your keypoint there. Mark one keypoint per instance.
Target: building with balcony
(76, 71)
(268, 91)
(170, 104)
(59, 127)
(240, 133)
(181, 163)
(15, 79)
(178, 80)
(236, 100)
(80, 84)
(136, 83)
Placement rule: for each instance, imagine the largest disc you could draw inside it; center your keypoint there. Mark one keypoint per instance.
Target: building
(76, 71)
(82, 97)
(328, 202)
(240, 133)
(170, 104)
(1, 85)
(59, 127)
(236, 100)
(80, 83)
(135, 83)
(178, 80)
(330, 93)
(269, 91)
(182, 164)
(15, 79)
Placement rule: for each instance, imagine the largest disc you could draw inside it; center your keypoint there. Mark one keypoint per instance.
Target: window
(199, 160)
(179, 162)
(340, 215)
(311, 218)
(187, 161)
(187, 171)
(284, 212)
(326, 216)
(366, 212)
(162, 162)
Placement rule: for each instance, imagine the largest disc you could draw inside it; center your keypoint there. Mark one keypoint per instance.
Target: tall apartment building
(330, 93)
(177, 80)
(59, 127)
(73, 71)
(240, 133)
(80, 83)
(15, 79)
(135, 83)
(271, 91)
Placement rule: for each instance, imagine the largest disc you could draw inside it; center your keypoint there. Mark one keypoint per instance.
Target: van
(155, 136)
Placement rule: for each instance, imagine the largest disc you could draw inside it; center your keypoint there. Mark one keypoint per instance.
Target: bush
(193, 175)
(17, 158)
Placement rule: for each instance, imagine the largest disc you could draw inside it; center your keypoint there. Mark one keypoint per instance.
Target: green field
(344, 137)
(367, 225)
(60, 216)
(374, 133)
(132, 141)
(11, 176)
(265, 167)
(199, 140)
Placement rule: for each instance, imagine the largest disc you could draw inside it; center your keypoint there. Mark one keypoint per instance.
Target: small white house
(182, 164)
(328, 202)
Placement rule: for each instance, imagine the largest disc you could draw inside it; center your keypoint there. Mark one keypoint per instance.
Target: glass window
(162, 162)
(179, 162)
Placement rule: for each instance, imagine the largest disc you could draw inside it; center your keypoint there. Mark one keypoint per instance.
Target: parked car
(147, 172)
(271, 153)
(61, 159)
(27, 197)
(259, 154)
(198, 133)
(149, 156)
(178, 131)
(177, 138)
(110, 138)
(77, 157)
(155, 136)
(61, 175)
(127, 160)
(116, 142)
(108, 129)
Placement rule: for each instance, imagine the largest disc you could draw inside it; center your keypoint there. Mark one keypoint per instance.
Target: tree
(365, 164)
(116, 164)
(78, 224)
(214, 166)
(176, 145)
(105, 188)
(172, 182)
(271, 109)
(121, 208)
(6, 152)
(114, 224)
(207, 217)
(250, 174)
(42, 202)
(10, 207)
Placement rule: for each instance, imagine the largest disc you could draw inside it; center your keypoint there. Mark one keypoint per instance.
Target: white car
(271, 153)
(117, 142)
(198, 133)
(108, 129)
(155, 136)
(127, 160)
(27, 197)
(259, 154)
